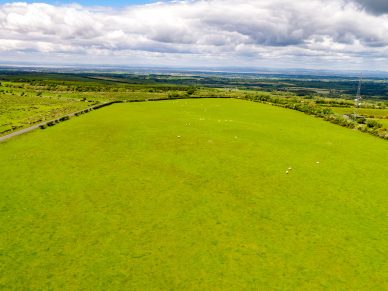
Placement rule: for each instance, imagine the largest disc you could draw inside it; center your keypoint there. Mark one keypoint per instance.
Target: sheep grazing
(289, 168)
(178, 136)
(318, 162)
(287, 172)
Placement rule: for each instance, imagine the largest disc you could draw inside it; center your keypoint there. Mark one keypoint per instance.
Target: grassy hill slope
(193, 194)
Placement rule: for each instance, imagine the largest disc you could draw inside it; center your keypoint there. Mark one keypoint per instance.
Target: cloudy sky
(320, 34)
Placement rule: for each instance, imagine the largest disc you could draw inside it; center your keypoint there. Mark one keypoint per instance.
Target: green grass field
(378, 113)
(384, 122)
(193, 194)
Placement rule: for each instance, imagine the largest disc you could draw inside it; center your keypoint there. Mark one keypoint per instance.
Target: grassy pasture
(378, 113)
(193, 194)
(384, 122)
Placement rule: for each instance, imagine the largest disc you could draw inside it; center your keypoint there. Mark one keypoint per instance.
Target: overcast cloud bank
(304, 33)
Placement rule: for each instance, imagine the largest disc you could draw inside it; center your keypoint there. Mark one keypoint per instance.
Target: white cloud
(319, 33)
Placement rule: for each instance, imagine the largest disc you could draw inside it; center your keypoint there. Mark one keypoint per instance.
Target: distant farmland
(194, 194)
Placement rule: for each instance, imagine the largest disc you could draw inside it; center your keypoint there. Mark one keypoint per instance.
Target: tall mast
(357, 101)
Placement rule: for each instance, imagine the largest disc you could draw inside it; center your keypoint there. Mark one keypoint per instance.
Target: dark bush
(64, 118)
(373, 124)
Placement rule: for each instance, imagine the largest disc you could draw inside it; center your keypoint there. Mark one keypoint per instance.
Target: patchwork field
(194, 194)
